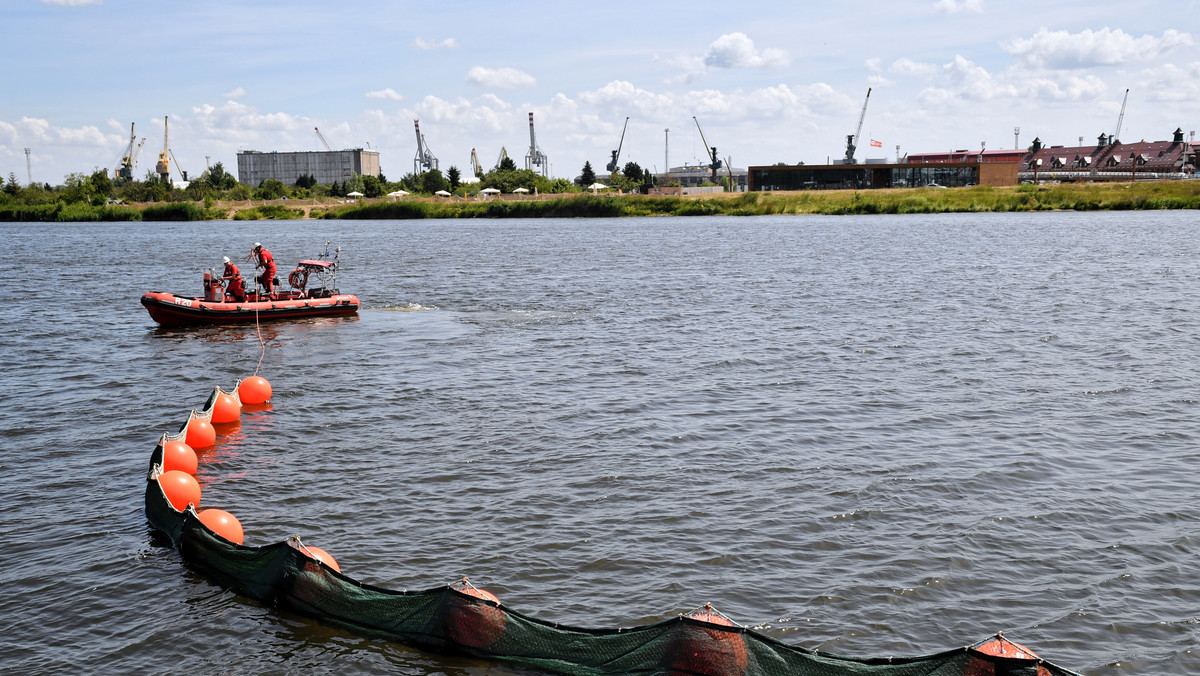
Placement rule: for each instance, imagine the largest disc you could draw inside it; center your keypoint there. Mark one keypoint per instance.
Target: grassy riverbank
(1056, 197)
(1059, 197)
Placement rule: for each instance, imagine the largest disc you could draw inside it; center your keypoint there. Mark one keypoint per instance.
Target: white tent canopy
(442, 193)
(521, 190)
(489, 191)
(354, 194)
(397, 193)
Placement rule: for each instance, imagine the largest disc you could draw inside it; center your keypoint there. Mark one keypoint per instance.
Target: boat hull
(169, 309)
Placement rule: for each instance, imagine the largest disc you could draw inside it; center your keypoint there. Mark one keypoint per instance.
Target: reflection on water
(875, 436)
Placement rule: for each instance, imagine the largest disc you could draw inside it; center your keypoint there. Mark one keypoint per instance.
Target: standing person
(267, 262)
(234, 288)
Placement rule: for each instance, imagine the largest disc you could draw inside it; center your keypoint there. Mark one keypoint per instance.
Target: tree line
(216, 183)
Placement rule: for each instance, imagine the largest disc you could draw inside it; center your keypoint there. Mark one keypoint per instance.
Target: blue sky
(768, 81)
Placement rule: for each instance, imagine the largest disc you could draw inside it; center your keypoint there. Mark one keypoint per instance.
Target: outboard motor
(213, 291)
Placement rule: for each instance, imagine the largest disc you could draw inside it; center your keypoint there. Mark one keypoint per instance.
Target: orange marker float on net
(224, 524)
(181, 489)
(254, 390)
(226, 408)
(322, 556)
(200, 433)
(472, 624)
(178, 455)
(701, 650)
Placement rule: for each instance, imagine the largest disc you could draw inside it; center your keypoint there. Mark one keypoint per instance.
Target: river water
(872, 436)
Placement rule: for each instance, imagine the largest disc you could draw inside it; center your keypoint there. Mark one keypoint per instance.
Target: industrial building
(980, 168)
(696, 175)
(1110, 160)
(327, 167)
(1106, 160)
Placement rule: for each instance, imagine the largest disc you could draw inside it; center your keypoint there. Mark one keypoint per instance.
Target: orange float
(472, 623)
(177, 455)
(254, 390)
(224, 524)
(321, 555)
(703, 650)
(226, 408)
(181, 489)
(200, 433)
(1004, 648)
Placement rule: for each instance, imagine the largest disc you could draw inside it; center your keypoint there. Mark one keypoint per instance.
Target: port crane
(714, 159)
(535, 158)
(175, 161)
(503, 156)
(1120, 118)
(475, 164)
(163, 167)
(322, 138)
(852, 139)
(616, 154)
(424, 160)
(125, 170)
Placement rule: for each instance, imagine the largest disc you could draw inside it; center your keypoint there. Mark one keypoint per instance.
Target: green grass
(1056, 197)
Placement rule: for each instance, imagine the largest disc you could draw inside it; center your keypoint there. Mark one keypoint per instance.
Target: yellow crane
(163, 167)
(475, 164)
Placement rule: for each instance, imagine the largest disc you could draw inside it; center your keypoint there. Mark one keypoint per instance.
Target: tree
(433, 181)
(588, 175)
(371, 186)
(633, 171)
(12, 187)
(270, 189)
(305, 181)
(507, 164)
(219, 179)
(454, 177)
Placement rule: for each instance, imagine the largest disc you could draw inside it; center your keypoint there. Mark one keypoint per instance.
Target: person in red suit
(234, 287)
(267, 262)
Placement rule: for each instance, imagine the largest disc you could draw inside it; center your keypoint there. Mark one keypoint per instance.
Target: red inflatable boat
(214, 307)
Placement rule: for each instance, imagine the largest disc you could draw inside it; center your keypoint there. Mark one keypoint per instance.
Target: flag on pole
(876, 144)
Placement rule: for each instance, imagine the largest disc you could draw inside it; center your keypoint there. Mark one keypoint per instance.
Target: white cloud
(956, 6)
(736, 50)
(235, 94)
(909, 68)
(389, 94)
(503, 78)
(448, 43)
(1061, 49)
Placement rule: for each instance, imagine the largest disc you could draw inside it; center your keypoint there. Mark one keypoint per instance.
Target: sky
(767, 81)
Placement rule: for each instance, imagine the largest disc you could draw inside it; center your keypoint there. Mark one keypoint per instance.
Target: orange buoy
(1001, 647)
(471, 623)
(322, 556)
(200, 433)
(178, 455)
(254, 390)
(226, 408)
(704, 650)
(181, 489)
(223, 523)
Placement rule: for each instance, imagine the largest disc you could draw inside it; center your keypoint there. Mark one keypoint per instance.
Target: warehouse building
(327, 167)
(1105, 160)
(954, 169)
